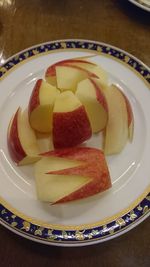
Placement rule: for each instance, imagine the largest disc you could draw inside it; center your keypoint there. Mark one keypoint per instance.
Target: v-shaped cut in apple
(71, 174)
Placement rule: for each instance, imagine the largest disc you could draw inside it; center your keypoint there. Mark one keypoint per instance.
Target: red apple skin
(34, 98)
(76, 153)
(51, 71)
(99, 95)
(66, 134)
(14, 146)
(99, 183)
(95, 167)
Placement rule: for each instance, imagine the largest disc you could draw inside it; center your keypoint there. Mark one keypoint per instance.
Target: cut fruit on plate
(50, 74)
(44, 142)
(70, 174)
(41, 106)
(95, 70)
(130, 117)
(69, 76)
(92, 97)
(116, 134)
(21, 140)
(71, 125)
(51, 187)
(83, 63)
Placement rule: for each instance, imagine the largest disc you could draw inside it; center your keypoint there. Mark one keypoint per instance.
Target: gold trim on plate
(79, 50)
(75, 227)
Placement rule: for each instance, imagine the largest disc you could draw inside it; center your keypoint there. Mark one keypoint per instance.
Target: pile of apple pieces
(74, 102)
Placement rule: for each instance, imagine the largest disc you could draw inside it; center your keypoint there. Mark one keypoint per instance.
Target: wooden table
(25, 23)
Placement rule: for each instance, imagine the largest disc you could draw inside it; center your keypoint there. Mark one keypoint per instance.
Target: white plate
(98, 218)
(144, 4)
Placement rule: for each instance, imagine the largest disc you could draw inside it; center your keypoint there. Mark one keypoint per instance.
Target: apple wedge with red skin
(71, 125)
(130, 118)
(95, 70)
(116, 134)
(41, 106)
(83, 63)
(68, 76)
(49, 187)
(85, 168)
(21, 140)
(50, 74)
(91, 95)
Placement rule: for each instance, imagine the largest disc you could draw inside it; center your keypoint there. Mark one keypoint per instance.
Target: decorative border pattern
(48, 235)
(91, 46)
(36, 231)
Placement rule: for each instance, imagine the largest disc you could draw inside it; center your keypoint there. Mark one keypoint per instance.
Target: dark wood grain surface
(25, 23)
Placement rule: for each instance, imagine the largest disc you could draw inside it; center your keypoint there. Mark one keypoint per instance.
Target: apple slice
(71, 174)
(130, 117)
(52, 187)
(96, 70)
(81, 62)
(69, 76)
(117, 127)
(41, 106)
(21, 140)
(101, 74)
(71, 125)
(92, 97)
(50, 74)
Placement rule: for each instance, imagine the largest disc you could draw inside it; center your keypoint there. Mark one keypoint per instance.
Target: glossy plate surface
(144, 4)
(98, 218)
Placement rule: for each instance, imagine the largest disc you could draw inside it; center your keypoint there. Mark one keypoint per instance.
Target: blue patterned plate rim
(99, 233)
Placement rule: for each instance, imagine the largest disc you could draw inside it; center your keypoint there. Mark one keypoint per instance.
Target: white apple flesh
(52, 187)
(41, 106)
(129, 113)
(69, 76)
(117, 127)
(92, 97)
